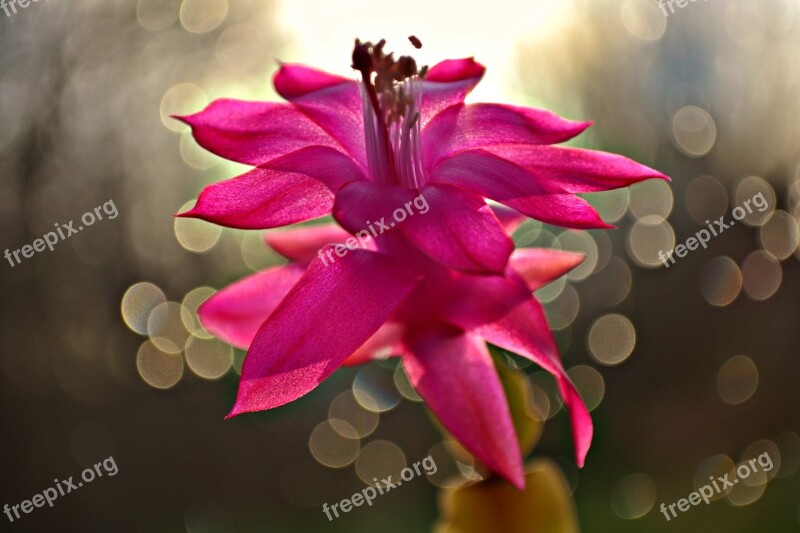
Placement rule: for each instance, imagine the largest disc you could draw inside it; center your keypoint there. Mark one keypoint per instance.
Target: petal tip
(518, 479)
(186, 119)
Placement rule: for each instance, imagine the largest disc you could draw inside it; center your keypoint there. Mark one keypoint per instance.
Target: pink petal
(577, 170)
(510, 184)
(455, 375)
(331, 102)
(235, 313)
(509, 218)
(294, 188)
(361, 205)
(458, 229)
(452, 70)
(539, 266)
(465, 127)
(503, 313)
(327, 315)
(255, 132)
(294, 80)
(303, 244)
(387, 341)
(448, 83)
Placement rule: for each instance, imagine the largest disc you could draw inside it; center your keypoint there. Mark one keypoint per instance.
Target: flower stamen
(392, 99)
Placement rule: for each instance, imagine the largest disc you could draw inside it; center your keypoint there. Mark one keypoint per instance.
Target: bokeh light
(737, 380)
(138, 302)
(349, 419)
(378, 460)
(762, 275)
(330, 448)
(720, 281)
(159, 369)
(694, 131)
(200, 16)
(611, 339)
(208, 358)
(633, 496)
(165, 327)
(647, 238)
(374, 390)
(779, 235)
(193, 234)
(191, 302)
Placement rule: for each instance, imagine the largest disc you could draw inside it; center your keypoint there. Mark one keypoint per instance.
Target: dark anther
(362, 57)
(415, 41)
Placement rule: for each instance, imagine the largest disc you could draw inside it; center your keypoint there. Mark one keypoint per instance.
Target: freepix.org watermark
(60, 488)
(10, 6)
(381, 487)
(717, 486)
(62, 232)
(702, 237)
(374, 229)
(663, 4)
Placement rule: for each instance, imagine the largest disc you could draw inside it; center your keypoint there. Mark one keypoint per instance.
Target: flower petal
(361, 205)
(303, 244)
(577, 170)
(457, 229)
(539, 266)
(255, 132)
(452, 70)
(299, 345)
(235, 313)
(455, 375)
(505, 314)
(387, 341)
(460, 231)
(509, 218)
(465, 127)
(331, 102)
(499, 179)
(447, 83)
(294, 188)
(294, 80)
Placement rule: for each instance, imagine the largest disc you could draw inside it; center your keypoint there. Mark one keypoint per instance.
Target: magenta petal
(299, 345)
(451, 70)
(387, 341)
(509, 218)
(455, 375)
(577, 170)
(235, 313)
(503, 312)
(465, 127)
(539, 266)
(510, 184)
(448, 83)
(331, 102)
(294, 188)
(303, 244)
(293, 80)
(361, 205)
(459, 231)
(255, 132)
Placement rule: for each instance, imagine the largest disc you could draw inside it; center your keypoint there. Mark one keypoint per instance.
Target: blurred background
(688, 370)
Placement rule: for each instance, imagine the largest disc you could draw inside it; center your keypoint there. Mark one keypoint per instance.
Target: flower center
(392, 95)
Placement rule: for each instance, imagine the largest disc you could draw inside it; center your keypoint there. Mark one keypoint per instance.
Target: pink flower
(439, 286)
(361, 149)
(301, 324)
